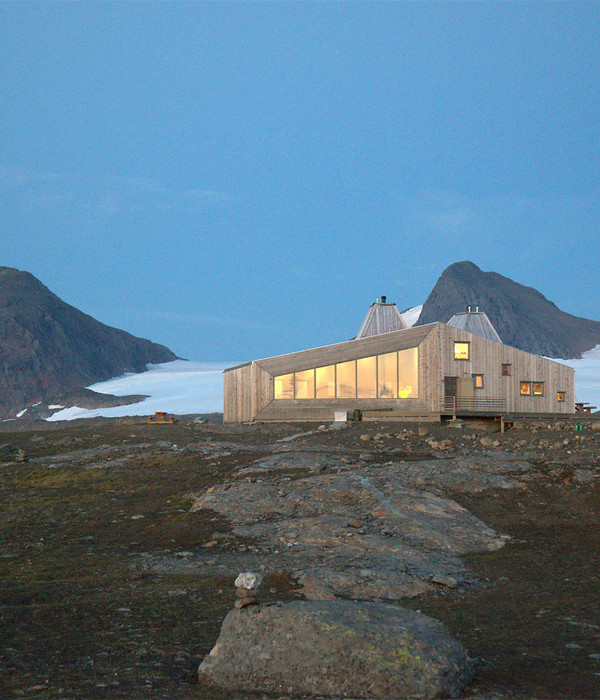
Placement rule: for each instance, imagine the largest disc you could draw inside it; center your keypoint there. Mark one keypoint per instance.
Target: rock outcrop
(337, 648)
(522, 316)
(48, 348)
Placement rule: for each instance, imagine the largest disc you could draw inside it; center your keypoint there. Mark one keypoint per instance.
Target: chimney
(468, 309)
(383, 300)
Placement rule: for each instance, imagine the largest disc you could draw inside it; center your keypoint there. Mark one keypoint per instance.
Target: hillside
(48, 347)
(523, 317)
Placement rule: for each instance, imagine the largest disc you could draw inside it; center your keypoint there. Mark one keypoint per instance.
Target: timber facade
(422, 372)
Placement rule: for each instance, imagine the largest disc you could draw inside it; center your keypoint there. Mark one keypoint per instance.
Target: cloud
(109, 195)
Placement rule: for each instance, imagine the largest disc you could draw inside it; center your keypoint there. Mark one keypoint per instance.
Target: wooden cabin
(423, 372)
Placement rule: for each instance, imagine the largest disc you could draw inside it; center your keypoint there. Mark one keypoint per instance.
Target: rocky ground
(120, 543)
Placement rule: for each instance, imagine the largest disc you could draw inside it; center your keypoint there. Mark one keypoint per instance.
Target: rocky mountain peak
(48, 347)
(523, 317)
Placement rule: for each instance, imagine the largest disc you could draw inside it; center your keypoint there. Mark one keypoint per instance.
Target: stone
(365, 437)
(337, 648)
(248, 580)
(443, 580)
(245, 603)
(245, 592)
(423, 430)
(21, 456)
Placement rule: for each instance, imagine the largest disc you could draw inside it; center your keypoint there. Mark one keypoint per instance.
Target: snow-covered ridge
(411, 316)
(176, 387)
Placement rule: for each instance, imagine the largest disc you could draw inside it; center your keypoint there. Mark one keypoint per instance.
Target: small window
(538, 388)
(561, 395)
(478, 381)
(525, 388)
(506, 370)
(461, 351)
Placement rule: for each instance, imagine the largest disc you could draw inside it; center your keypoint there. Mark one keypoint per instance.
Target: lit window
(387, 376)
(366, 370)
(461, 351)
(561, 395)
(325, 381)
(284, 386)
(408, 373)
(305, 384)
(478, 381)
(538, 388)
(506, 370)
(525, 388)
(346, 380)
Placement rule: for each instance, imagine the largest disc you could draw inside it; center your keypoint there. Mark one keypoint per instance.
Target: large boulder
(339, 648)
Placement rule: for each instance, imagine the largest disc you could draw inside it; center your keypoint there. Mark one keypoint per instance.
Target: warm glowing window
(461, 351)
(387, 376)
(478, 381)
(325, 382)
(390, 376)
(408, 373)
(284, 387)
(346, 380)
(305, 384)
(561, 396)
(538, 388)
(525, 388)
(506, 370)
(366, 372)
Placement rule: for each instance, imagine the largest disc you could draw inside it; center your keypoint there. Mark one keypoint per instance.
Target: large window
(346, 380)
(394, 375)
(387, 376)
(325, 382)
(367, 377)
(305, 384)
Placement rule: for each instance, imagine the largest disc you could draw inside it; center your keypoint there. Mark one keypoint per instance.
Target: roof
(341, 352)
(475, 322)
(382, 317)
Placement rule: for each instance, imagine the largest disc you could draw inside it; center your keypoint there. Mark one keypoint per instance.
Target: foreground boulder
(340, 648)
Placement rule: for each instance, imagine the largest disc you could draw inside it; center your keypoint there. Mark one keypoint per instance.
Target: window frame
(563, 394)
(475, 378)
(506, 369)
(467, 343)
(527, 383)
(533, 386)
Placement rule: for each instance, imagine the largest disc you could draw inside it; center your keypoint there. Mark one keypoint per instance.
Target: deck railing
(453, 404)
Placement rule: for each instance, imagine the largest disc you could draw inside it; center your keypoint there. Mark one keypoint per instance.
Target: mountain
(48, 347)
(523, 317)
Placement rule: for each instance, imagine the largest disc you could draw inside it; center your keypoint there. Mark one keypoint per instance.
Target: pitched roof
(382, 317)
(475, 322)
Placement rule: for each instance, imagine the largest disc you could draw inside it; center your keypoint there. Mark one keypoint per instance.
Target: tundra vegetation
(117, 562)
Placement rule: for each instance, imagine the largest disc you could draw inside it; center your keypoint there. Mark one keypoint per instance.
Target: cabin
(419, 373)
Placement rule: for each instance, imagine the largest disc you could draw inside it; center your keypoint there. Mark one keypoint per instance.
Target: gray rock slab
(335, 527)
(337, 648)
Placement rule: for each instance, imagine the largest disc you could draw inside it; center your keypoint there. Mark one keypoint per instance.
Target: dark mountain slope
(48, 347)
(523, 317)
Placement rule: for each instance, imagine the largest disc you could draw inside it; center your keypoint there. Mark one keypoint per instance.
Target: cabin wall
(487, 358)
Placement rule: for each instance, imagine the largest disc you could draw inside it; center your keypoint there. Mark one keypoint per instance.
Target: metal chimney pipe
(383, 300)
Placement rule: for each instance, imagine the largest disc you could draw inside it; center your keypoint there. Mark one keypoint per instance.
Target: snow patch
(175, 387)
(21, 413)
(587, 376)
(55, 405)
(411, 316)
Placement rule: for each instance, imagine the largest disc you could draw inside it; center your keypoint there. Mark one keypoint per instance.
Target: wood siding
(487, 358)
(249, 388)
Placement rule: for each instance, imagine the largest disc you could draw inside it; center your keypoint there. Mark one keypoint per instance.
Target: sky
(239, 180)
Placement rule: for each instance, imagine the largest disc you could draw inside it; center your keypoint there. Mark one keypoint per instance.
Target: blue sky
(238, 180)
